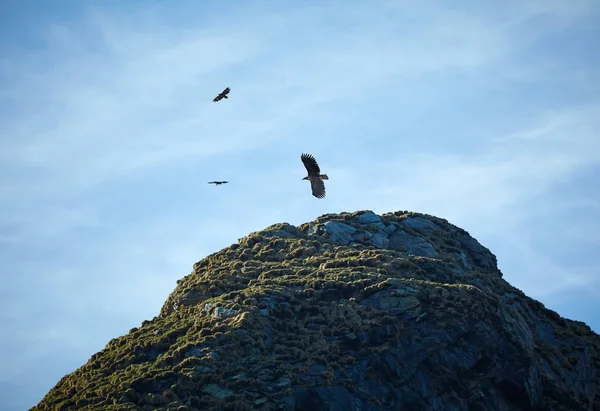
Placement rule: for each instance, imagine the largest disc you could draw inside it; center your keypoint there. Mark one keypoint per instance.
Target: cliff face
(350, 312)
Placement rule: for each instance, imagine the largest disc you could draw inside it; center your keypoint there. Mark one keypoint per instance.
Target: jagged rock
(361, 237)
(352, 311)
(336, 231)
(390, 229)
(410, 244)
(422, 224)
(379, 240)
(371, 218)
(222, 312)
(478, 253)
(395, 304)
(208, 307)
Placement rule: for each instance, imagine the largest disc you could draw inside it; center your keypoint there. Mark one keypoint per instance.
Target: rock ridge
(352, 311)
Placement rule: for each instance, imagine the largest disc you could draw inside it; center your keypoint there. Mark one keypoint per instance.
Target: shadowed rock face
(352, 311)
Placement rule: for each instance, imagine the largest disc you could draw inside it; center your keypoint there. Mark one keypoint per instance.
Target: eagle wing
(222, 94)
(311, 165)
(318, 188)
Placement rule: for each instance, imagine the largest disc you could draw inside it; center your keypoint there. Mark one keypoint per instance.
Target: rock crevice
(352, 311)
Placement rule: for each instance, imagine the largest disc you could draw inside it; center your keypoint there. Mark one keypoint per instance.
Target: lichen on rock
(352, 311)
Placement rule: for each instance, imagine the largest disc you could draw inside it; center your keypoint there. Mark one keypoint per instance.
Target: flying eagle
(314, 175)
(222, 95)
(216, 183)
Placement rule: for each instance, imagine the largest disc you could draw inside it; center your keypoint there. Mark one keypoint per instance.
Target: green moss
(299, 302)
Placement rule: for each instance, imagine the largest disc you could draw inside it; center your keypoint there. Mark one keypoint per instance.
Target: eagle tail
(324, 177)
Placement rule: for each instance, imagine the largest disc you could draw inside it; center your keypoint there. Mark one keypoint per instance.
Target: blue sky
(482, 113)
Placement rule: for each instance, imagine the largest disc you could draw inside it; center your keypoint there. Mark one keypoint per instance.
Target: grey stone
(369, 218)
(480, 255)
(420, 223)
(313, 229)
(513, 315)
(222, 312)
(361, 237)
(410, 244)
(471, 244)
(380, 241)
(390, 229)
(395, 333)
(395, 302)
(208, 307)
(339, 232)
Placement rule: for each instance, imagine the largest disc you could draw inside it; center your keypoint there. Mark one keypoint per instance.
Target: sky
(485, 114)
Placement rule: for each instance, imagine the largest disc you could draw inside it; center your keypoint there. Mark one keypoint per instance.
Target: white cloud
(103, 195)
(492, 194)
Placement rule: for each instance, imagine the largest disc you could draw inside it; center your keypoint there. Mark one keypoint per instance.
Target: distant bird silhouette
(222, 95)
(314, 175)
(217, 183)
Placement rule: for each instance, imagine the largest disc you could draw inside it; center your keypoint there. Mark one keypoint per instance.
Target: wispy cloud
(497, 193)
(481, 114)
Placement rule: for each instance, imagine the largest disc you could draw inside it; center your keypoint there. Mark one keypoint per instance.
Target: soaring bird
(222, 95)
(314, 175)
(217, 183)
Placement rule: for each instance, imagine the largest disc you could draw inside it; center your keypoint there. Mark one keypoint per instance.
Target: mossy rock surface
(352, 311)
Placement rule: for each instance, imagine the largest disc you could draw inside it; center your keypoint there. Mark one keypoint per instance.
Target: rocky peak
(411, 234)
(353, 311)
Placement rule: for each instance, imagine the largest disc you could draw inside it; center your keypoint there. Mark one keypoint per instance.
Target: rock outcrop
(353, 311)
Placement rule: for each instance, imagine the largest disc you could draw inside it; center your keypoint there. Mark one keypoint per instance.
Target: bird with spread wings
(314, 175)
(216, 183)
(222, 95)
